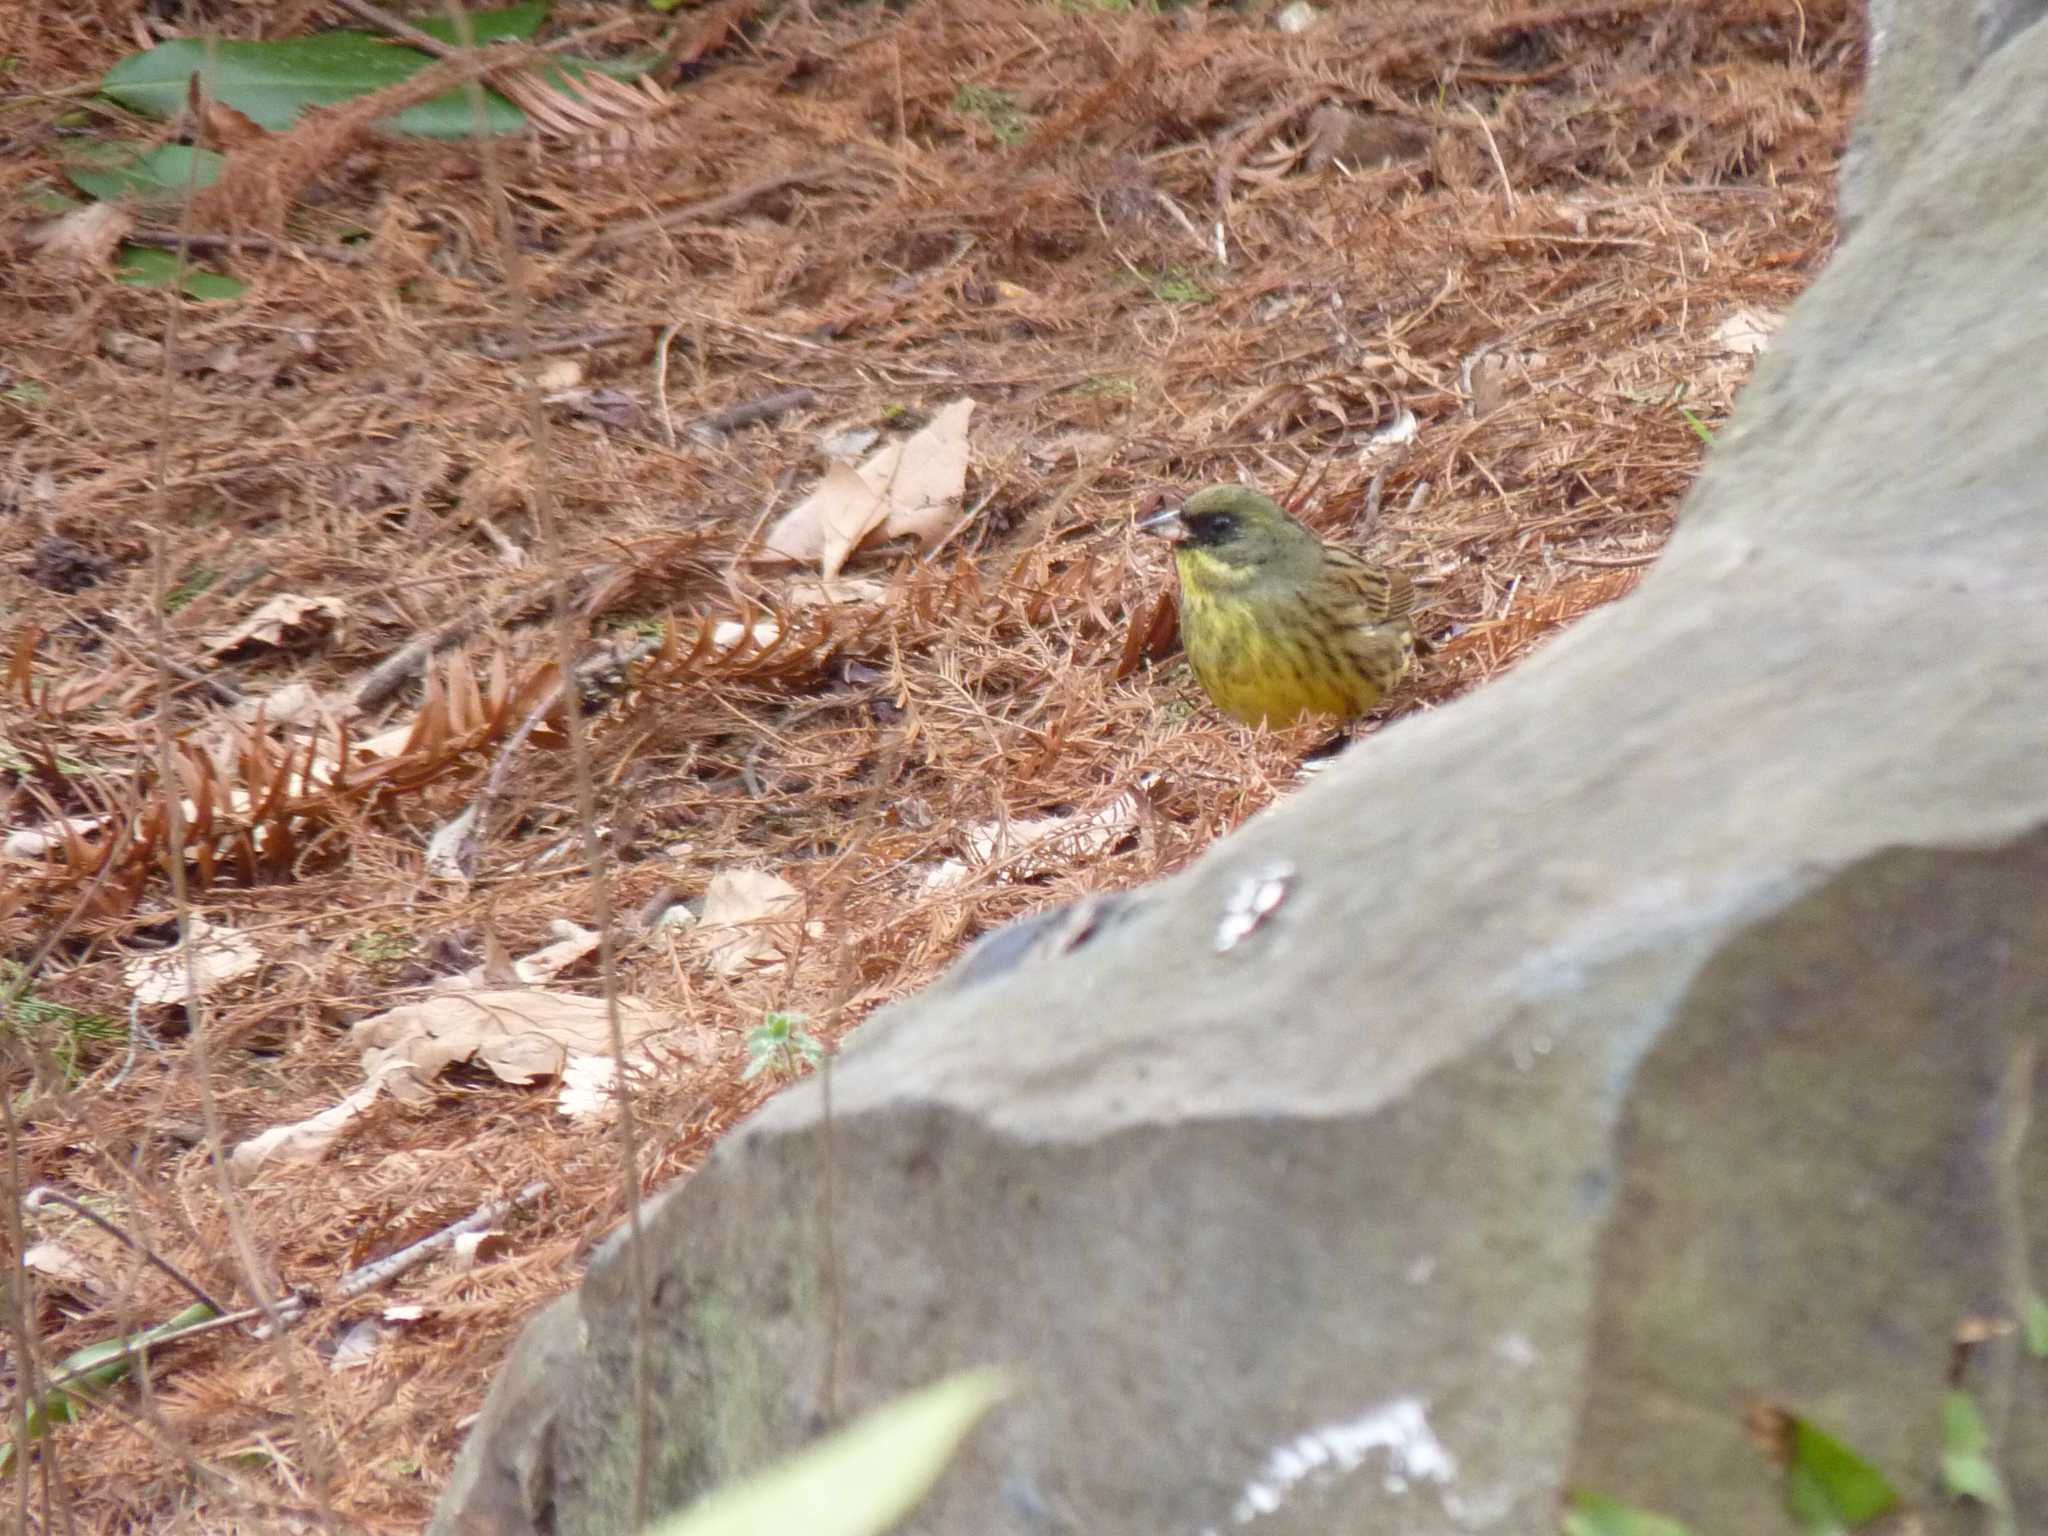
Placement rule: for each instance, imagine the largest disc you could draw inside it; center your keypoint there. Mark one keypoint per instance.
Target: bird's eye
(1212, 527)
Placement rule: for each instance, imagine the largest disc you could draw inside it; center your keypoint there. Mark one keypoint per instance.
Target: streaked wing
(1380, 595)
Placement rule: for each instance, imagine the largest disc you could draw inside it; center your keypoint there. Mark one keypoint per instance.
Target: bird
(1277, 622)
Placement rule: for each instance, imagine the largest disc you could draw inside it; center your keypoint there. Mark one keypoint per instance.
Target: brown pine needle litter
(1484, 281)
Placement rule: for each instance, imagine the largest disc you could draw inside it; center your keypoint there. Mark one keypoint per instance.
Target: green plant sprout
(779, 1041)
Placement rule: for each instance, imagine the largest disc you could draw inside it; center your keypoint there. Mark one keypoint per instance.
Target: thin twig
(383, 1271)
(519, 296)
(765, 408)
(171, 240)
(142, 1346)
(709, 208)
(241, 1241)
(399, 28)
(668, 422)
(1507, 190)
(575, 341)
(43, 1195)
(1613, 562)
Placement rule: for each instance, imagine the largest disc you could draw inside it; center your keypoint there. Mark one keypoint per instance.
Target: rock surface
(1663, 1040)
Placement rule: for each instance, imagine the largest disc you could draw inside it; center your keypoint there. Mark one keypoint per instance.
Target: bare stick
(519, 296)
(1507, 190)
(575, 341)
(170, 240)
(370, 1276)
(43, 1195)
(403, 30)
(747, 412)
(1613, 562)
(709, 208)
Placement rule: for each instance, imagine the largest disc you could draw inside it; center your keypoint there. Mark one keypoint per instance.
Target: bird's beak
(1164, 524)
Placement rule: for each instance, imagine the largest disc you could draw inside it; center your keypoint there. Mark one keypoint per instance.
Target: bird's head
(1230, 536)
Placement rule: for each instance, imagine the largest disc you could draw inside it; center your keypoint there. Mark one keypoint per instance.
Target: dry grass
(1578, 196)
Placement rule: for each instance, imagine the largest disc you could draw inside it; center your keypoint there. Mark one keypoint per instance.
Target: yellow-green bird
(1277, 623)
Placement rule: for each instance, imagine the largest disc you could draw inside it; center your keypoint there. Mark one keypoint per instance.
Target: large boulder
(1651, 1032)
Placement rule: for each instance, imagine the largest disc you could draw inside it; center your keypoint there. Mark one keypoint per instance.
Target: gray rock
(1651, 1032)
(1921, 54)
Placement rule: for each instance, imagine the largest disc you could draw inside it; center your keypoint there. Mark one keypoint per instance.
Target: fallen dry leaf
(1036, 845)
(473, 1248)
(288, 621)
(83, 240)
(218, 954)
(303, 1141)
(519, 1035)
(572, 943)
(292, 704)
(910, 487)
(847, 509)
(589, 1083)
(1746, 332)
(57, 1263)
(847, 589)
(747, 920)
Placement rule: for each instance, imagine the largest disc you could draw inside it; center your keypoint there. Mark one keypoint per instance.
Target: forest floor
(1471, 283)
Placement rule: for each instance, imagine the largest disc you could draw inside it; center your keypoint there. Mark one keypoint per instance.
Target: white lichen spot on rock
(1400, 1428)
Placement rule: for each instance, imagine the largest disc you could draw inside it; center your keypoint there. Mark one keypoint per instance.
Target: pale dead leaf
(842, 590)
(57, 1263)
(288, 621)
(40, 842)
(747, 922)
(909, 487)
(1037, 845)
(303, 1141)
(473, 1248)
(292, 704)
(559, 373)
(828, 525)
(518, 1035)
(1746, 332)
(219, 954)
(589, 1091)
(926, 479)
(357, 1346)
(727, 633)
(84, 239)
(572, 943)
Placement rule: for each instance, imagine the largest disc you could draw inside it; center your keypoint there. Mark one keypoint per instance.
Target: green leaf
(513, 23)
(140, 266)
(859, 1482)
(1828, 1487)
(1594, 1514)
(2034, 1324)
(153, 177)
(1967, 1469)
(272, 83)
(92, 1370)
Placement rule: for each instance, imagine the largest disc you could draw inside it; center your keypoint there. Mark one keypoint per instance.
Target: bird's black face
(1231, 534)
(1214, 531)
(1210, 530)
